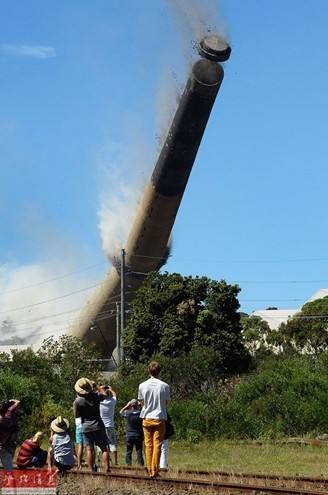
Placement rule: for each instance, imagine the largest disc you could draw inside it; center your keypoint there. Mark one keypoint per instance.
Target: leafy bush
(13, 386)
(44, 380)
(46, 412)
(285, 397)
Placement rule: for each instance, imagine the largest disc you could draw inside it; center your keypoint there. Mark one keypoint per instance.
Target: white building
(274, 317)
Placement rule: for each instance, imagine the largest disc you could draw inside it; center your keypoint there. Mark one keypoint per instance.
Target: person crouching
(61, 452)
(30, 453)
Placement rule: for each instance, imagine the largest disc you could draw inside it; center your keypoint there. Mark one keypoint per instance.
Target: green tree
(30, 364)
(44, 380)
(164, 313)
(256, 334)
(69, 358)
(171, 314)
(25, 389)
(306, 331)
(219, 327)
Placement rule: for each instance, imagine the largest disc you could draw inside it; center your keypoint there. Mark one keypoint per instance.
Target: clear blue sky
(77, 77)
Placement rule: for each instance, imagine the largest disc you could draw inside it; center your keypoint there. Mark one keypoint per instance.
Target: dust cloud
(39, 300)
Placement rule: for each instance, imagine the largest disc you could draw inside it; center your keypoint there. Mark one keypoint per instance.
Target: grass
(247, 457)
(251, 457)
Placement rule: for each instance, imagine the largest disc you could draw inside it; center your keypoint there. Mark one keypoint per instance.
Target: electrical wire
(110, 302)
(50, 300)
(296, 316)
(241, 299)
(212, 260)
(279, 282)
(63, 330)
(83, 269)
(60, 277)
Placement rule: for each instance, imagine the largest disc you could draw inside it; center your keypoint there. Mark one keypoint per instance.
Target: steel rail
(213, 485)
(200, 472)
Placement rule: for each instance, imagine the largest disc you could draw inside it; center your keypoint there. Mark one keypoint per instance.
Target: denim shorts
(112, 440)
(80, 437)
(6, 458)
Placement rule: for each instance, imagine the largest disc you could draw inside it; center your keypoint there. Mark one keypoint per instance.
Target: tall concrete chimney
(147, 244)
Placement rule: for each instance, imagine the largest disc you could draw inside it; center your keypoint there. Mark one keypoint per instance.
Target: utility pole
(118, 334)
(122, 301)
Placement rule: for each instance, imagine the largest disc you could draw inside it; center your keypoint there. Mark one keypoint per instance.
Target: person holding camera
(107, 413)
(134, 434)
(8, 432)
(87, 407)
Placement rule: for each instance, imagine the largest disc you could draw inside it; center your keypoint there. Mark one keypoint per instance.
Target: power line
(60, 277)
(63, 330)
(50, 300)
(295, 316)
(213, 260)
(110, 302)
(270, 299)
(187, 259)
(46, 317)
(279, 281)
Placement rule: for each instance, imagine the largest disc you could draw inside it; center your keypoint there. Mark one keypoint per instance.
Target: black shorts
(62, 467)
(98, 438)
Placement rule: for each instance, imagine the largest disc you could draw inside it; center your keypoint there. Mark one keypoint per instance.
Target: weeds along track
(213, 483)
(320, 481)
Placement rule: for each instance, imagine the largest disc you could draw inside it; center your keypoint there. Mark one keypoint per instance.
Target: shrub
(13, 386)
(46, 412)
(285, 397)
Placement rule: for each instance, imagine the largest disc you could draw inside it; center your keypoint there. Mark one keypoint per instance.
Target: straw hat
(59, 425)
(83, 386)
(38, 437)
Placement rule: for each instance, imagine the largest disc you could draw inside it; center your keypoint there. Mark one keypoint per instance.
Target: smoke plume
(40, 299)
(123, 172)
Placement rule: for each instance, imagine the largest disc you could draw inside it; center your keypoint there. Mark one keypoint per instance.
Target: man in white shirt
(153, 395)
(107, 411)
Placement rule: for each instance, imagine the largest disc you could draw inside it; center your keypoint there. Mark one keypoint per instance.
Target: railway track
(229, 474)
(212, 483)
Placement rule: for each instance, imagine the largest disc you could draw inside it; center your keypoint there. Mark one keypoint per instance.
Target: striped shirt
(27, 451)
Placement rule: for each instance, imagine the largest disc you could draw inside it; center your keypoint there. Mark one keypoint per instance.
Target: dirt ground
(98, 487)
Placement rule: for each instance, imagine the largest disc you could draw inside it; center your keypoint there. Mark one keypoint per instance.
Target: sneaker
(94, 468)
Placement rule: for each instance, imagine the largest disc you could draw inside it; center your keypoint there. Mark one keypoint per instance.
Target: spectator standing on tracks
(154, 395)
(8, 432)
(169, 432)
(87, 407)
(30, 453)
(134, 434)
(107, 413)
(78, 441)
(61, 452)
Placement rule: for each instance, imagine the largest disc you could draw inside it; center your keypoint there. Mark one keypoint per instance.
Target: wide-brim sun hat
(59, 425)
(38, 436)
(83, 386)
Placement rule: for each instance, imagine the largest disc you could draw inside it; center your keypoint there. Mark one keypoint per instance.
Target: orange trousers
(154, 430)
